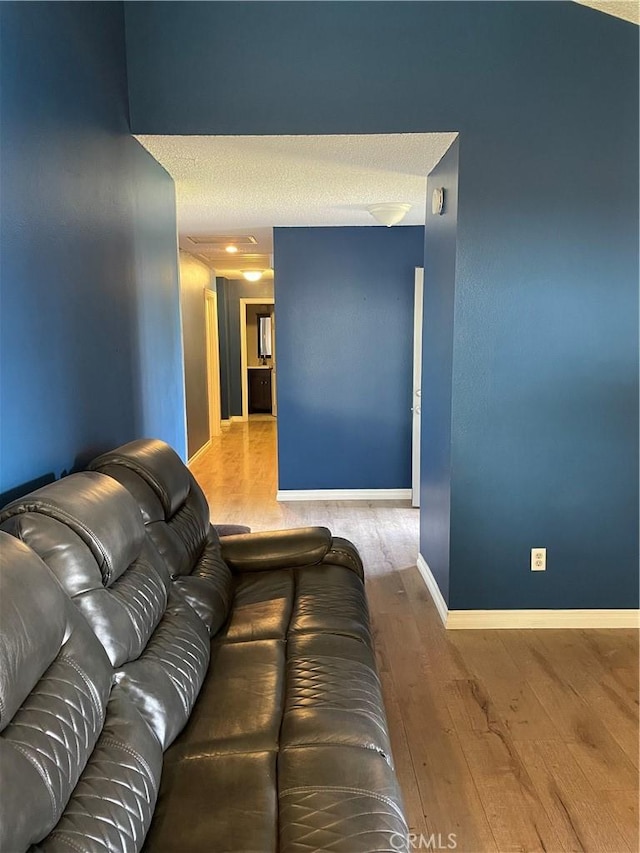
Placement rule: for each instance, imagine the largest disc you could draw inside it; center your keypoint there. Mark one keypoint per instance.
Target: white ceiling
(239, 185)
(629, 10)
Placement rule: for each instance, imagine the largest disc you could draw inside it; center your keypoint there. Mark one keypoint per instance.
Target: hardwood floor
(511, 740)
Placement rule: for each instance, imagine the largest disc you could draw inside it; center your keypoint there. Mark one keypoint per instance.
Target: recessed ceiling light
(231, 249)
(252, 275)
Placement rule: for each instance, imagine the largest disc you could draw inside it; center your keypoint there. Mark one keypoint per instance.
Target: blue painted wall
(90, 350)
(544, 423)
(437, 370)
(344, 303)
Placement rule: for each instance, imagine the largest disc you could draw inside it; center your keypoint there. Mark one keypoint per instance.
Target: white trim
(416, 416)
(432, 585)
(457, 620)
(206, 446)
(496, 619)
(343, 495)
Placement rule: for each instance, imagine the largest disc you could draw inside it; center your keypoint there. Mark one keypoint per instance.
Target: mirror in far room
(264, 337)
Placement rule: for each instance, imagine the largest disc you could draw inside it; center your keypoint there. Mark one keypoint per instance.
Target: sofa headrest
(33, 624)
(158, 465)
(98, 510)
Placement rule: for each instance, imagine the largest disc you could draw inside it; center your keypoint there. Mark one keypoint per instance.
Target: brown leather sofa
(166, 688)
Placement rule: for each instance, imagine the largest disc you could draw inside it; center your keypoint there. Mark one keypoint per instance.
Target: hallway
(509, 740)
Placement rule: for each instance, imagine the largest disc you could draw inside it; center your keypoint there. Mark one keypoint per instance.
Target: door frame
(416, 396)
(244, 379)
(213, 361)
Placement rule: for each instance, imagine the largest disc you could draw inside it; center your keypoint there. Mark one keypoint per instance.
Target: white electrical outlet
(538, 559)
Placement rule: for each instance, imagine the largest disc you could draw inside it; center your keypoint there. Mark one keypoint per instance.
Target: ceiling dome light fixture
(389, 213)
(231, 249)
(252, 275)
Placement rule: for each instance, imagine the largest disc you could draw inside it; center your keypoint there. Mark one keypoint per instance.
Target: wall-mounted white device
(437, 201)
(538, 559)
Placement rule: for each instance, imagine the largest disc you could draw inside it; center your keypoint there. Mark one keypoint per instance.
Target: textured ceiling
(629, 10)
(241, 185)
(238, 185)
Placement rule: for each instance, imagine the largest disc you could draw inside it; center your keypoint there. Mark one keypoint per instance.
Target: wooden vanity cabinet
(260, 390)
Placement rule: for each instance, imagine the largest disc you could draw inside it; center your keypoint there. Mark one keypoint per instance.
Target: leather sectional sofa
(167, 688)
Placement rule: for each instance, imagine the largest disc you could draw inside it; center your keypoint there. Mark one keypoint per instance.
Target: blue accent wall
(544, 387)
(344, 308)
(90, 347)
(437, 370)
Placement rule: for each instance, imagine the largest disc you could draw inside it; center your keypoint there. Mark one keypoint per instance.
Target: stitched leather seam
(348, 556)
(62, 515)
(42, 773)
(146, 569)
(310, 659)
(84, 676)
(163, 666)
(111, 741)
(319, 789)
(59, 834)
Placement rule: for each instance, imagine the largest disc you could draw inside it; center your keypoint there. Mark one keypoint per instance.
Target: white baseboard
(515, 619)
(457, 620)
(434, 589)
(199, 453)
(343, 495)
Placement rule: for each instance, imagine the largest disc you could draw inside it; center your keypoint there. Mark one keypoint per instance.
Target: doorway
(257, 359)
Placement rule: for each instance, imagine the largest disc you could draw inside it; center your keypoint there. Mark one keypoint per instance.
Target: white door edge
(416, 401)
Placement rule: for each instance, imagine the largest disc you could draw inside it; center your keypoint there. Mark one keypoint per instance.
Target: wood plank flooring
(513, 740)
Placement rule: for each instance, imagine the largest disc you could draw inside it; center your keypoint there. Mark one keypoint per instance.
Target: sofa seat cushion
(339, 799)
(241, 704)
(333, 698)
(213, 802)
(262, 607)
(330, 645)
(330, 599)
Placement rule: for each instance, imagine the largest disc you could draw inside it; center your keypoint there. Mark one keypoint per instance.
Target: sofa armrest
(344, 553)
(230, 529)
(276, 549)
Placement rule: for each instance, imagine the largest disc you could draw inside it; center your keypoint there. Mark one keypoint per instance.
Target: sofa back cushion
(176, 515)
(172, 503)
(62, 778)
(89, 531)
